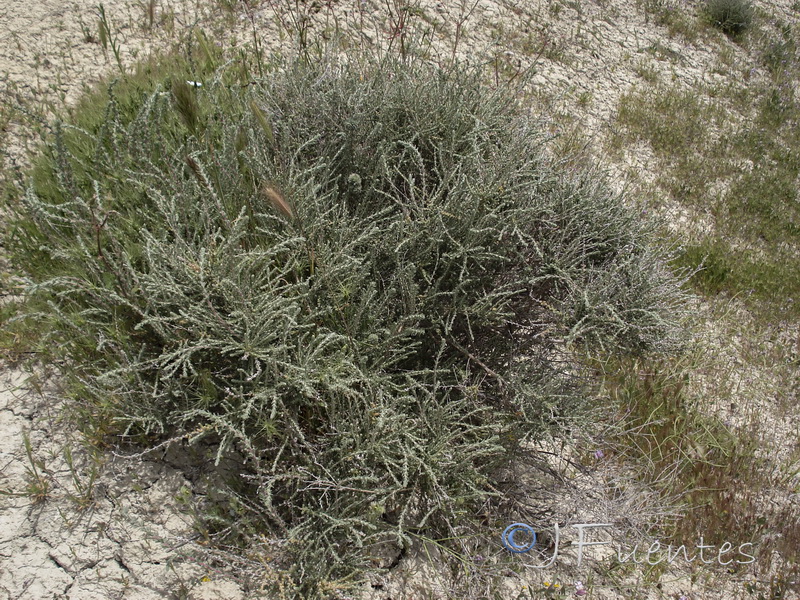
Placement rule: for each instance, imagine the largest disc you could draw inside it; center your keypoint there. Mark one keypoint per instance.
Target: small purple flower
(580, 592)
(599, 454)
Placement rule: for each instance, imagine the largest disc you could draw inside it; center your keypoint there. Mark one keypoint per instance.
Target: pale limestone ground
(133, 540)
(120, 536)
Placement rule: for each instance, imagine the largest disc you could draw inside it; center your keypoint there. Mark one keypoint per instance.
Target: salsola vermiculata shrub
(363, 278)
(733, 17)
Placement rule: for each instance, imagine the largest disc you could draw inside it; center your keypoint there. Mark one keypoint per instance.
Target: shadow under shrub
(362, 277)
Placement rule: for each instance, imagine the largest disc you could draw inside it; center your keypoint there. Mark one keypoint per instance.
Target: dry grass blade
(263, 121)
(198, 173)
(186, 104)
(278, 202)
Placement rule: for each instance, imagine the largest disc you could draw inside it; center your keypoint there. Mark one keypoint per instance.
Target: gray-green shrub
(363, 277)
(733, 17)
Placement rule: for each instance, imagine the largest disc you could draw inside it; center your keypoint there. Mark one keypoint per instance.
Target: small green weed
(711, 264)
(672, 120)
(38, 480)
(673, 16)
(83, 485)
(644, 69)
(148, 13)
(108, 37)
(779, 55)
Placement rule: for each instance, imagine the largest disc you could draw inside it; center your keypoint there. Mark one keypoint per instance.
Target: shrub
(733, 17)
(360, 277)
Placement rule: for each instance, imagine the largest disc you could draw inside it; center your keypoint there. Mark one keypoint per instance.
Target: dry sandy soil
(110, 526)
